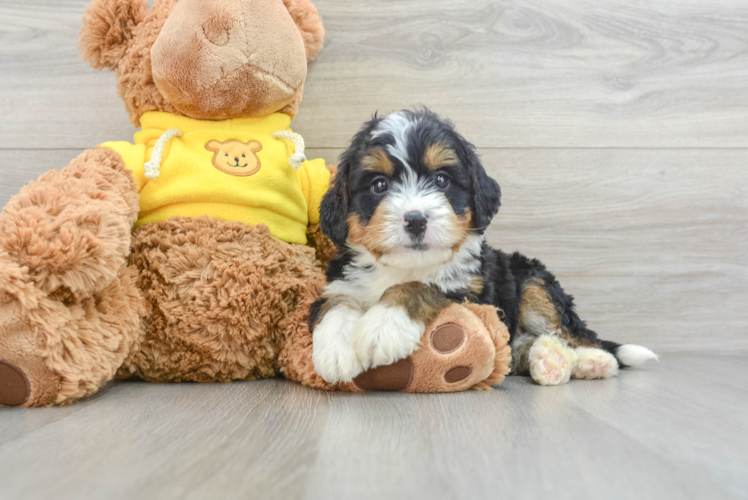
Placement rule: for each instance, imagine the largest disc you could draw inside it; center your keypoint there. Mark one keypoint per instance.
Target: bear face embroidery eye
(243, 156)
(226, 154)
(379, 185)
(441, 181)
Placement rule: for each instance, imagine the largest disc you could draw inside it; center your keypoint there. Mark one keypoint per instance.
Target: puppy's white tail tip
(635, 355)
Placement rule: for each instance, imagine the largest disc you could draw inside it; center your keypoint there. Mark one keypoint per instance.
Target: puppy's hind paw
(551, 361)
(594, 363)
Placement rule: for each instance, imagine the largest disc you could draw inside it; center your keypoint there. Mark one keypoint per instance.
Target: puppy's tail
(629, 354)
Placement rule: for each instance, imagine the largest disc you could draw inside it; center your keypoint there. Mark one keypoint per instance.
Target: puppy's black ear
(486, 193)
(334, 207)
(333, 211)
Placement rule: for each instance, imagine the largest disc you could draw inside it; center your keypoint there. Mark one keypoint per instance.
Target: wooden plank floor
(618, 131)
(675, 430)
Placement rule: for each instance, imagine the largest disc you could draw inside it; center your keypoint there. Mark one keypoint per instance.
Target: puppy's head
(409, 190)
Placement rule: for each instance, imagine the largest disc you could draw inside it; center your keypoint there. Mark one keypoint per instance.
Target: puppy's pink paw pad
(594, 363)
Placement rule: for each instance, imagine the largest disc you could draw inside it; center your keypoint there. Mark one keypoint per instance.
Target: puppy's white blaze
(635, 355)
(413, 194)
(396, 124)
(385, 334)
(332, 354)
(441, 235)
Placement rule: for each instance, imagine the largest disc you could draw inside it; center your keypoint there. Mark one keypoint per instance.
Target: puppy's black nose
(415, 223)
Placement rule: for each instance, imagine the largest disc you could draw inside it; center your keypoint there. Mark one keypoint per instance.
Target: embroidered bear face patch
(235, 157)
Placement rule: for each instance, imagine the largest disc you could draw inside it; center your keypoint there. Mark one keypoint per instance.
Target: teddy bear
(194, 252)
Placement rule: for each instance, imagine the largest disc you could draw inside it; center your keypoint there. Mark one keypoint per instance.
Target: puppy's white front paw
(333, 356)
(385, 334)
(551, 361)
(594, 363)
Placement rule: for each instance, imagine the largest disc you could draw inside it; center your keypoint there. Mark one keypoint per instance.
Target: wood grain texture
(652, 243)
(556, 73)
(673, 430)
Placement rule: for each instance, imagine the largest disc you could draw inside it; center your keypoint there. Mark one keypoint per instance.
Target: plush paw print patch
(235, 157)
(456, 353)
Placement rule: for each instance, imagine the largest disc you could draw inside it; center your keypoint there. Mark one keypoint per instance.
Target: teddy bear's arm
(134, 158)
(64, 242)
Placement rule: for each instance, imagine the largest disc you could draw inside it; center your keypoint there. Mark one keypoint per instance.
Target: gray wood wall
(618, 131)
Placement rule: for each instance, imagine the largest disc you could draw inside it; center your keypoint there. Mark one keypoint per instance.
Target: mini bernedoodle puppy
(410, 203)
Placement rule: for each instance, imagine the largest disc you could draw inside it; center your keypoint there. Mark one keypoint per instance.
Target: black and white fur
(410, 163)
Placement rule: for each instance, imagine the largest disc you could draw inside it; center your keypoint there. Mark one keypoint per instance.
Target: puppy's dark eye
(442, 181)
(379, 185)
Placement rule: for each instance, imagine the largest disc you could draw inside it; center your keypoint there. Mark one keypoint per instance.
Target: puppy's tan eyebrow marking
(438, 155)
(377, 161)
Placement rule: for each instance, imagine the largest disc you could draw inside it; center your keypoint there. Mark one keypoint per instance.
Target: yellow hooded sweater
(232, 170)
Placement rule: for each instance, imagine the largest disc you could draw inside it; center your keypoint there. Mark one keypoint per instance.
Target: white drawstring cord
(152, 168)
(298, 141)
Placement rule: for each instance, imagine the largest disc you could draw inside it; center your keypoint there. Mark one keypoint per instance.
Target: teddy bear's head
(205, 59)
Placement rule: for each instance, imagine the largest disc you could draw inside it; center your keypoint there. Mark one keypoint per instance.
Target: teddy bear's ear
(107, 30)
(309, 22)
(254, 146)
(213, 146)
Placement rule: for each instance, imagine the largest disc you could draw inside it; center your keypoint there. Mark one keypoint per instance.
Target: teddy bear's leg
(221, 297)
(295, 359)
(69, 308)
(464, 347)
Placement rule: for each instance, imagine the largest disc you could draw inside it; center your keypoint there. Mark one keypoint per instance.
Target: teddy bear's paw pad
(395, 377)
(551, 362)
(14, 385)
(594, 363)
(447, 338)
(457, 374)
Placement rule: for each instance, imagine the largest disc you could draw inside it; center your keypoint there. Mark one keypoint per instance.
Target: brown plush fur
(120, 33)
(480, 359)
(64, 246)
(214, 61)
(500, 337)
(325, 249)
(475, 356)
(107, 31)
(295, 358)
(71, 228)
(135, 83)
(219, 297)
(310, 26)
